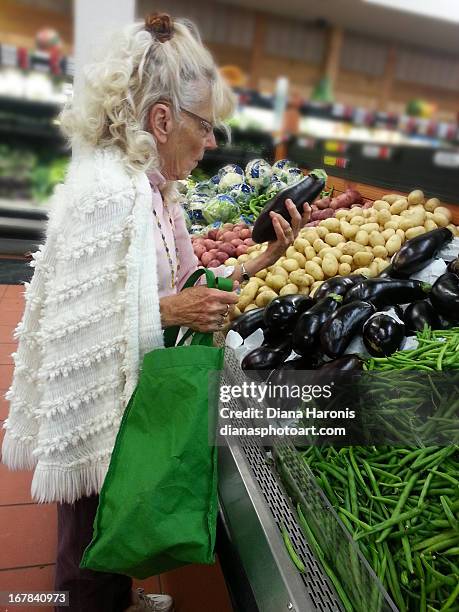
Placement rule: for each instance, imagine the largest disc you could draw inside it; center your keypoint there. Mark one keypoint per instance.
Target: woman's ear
(160, 122)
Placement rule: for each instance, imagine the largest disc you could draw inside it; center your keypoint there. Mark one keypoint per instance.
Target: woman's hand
(286, 232)
(199, 308)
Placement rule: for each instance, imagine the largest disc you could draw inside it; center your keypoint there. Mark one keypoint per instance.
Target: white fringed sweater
(91, 313)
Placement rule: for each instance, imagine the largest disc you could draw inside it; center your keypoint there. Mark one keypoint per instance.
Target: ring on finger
(227, 310)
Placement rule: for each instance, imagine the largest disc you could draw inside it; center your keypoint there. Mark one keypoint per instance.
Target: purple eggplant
(419, 314)
(445, 296)
(388, 291)
(417, 252)
(281, 315)
(342, 365)
(338, 285)
(306, 333)
(248, 322)
(383, 334)
(453, 266)
(343, 325)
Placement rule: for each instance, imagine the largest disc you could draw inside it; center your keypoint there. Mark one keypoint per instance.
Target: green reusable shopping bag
(158, 504)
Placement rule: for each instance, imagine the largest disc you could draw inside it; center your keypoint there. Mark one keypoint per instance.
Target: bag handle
(206, 339)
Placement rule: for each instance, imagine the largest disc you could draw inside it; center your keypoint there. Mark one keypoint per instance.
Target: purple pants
(90, 591)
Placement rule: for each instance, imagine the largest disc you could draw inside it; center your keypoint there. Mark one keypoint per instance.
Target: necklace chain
(174, 272)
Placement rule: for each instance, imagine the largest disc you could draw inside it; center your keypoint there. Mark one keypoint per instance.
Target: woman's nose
(211, 142)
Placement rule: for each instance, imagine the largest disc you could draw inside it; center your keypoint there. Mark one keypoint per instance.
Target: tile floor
(28, 530)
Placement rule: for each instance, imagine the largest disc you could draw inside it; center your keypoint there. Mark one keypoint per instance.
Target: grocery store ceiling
(366, 18)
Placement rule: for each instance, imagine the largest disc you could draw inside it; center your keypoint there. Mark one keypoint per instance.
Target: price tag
(334, 146)
(337, 162)
(376, 151)
(446, 159)
(307, 143)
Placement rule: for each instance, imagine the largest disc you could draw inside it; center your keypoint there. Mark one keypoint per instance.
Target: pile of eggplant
(319, 329)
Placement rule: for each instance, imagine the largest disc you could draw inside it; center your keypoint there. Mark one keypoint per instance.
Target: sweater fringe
(57, 484)
(18, 454)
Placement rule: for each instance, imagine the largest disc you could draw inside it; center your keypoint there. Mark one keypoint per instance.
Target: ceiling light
(446, 10)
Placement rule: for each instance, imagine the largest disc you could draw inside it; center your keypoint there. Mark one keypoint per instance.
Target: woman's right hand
(199, 308)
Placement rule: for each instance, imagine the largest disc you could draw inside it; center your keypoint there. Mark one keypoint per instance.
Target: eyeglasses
(206, 125)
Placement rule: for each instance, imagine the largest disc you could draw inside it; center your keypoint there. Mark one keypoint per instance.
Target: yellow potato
(280, 270)
(380, 251)
(251, 307)
(399, 206)
(332, 224)
(401, 233)
(384, 216)
(344, 269)
(289, 289)
(370, 227)
(429, 215)
(452, 228)
(309, 252)
(373, 267)
(351, 248)
(314, 270)
(347, 259)
(310, 234)
(300, 244)
(432, 204)
(363, 271)
(321, 231)
(393, 244)
(333, 238)
(362, 260)
(317, 260)
(386, 234)
(380, 205)
(347, 230)
(234, 313)
(290, 265)
(391, 197)
(372, 219)
(414, 231)
(330, 265)
(341, 214)
(376, 239)
(369, 249)
(231, 261)
(290, 252)
(301, 259)
(243, 258)
(263, 299)
(382, 265)
(304, 291)
(253, 255)
(430, 225)
(319, 244)
(362, 237)
(366, 213)
(416, 197)
(355, 211)
(391, 225)
(264, 288)
(440, 219)
(300, 278)
(258, 281)
(444, 211)
(357, 220)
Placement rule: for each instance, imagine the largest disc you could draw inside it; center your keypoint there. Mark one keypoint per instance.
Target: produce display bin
(256, 506)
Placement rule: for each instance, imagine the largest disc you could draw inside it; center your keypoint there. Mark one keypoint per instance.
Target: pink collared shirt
(177, 239)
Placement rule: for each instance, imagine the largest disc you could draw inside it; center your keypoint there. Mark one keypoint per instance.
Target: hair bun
(161, 25)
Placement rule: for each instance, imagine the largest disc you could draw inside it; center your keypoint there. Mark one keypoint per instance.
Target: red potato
(241, 250)
(213, 251)
(199, 250)
(320, 215)
(312, 224)
(209, 244)
(228, 248)
(236, 242)
(214, 263)
(368, 204)
(323, 203)
(212, 234)
(249, 242)
(222, 256)
(245, 233)
(199, 240)
(206, 259)
(314, 207)
(229, 236)
(346, 199)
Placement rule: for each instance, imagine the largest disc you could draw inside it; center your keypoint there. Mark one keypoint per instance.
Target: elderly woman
(109, 278)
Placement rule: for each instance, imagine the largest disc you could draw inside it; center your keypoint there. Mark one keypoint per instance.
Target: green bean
(352, 492)
(387, 524)
(450, 580)
(291, 551)
(403, 497)
(449, 515)
(451, 599)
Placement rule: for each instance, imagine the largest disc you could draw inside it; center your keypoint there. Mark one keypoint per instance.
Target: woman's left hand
(286, 232)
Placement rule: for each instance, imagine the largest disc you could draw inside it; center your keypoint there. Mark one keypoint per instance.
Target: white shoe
(155, 603)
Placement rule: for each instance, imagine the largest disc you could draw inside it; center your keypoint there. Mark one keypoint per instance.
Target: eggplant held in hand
(445, 296)
(388, 291)
(345, 323)
(383, 334)
(419, 314)
(338, 285)
(305, 190)
(416, 253)
(248, 322)
(282, 313)
(306, 333)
